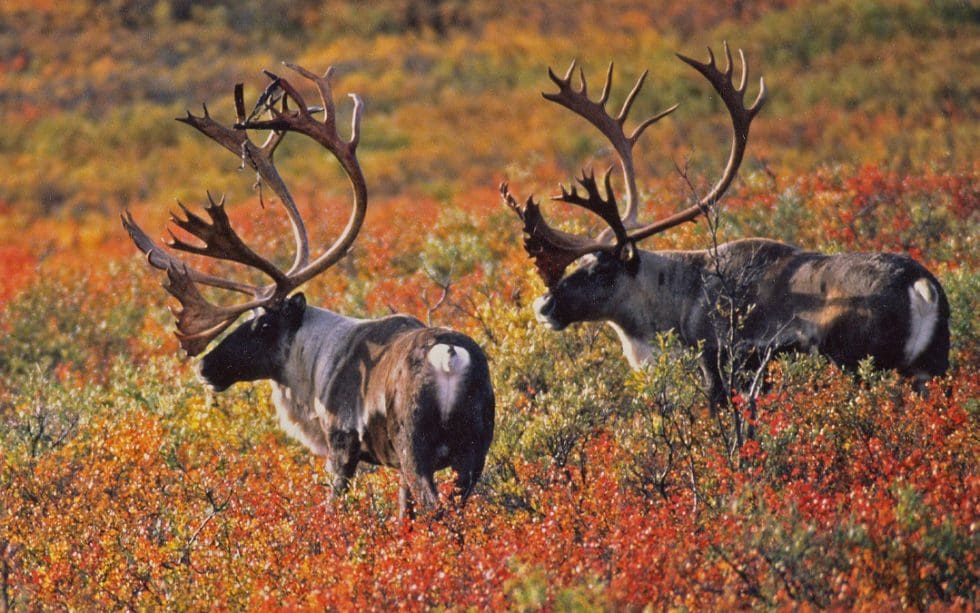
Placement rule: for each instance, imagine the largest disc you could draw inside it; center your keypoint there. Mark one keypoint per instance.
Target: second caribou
(847, 306)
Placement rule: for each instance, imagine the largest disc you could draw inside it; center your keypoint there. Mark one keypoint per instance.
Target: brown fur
(381, 406)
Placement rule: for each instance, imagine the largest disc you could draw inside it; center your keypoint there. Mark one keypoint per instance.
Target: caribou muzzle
(211, 377)
(544, 312)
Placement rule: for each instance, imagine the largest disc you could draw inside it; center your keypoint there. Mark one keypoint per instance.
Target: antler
(553, 250)
(610, 127)
(199, 321)
(742, 116)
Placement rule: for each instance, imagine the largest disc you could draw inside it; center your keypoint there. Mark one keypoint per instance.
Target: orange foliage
(123, 485)
(849, 514)
(16, 270)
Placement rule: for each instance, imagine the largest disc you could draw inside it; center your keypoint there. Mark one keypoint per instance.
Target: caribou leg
(417, 477)
(468, 470)
(342, 457)
(717, 394)
(406, 503)
(423, 489)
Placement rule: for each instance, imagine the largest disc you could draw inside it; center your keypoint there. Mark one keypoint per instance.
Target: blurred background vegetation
(124, 484)
(87, 89)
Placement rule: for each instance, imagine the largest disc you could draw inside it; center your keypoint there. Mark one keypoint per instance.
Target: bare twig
(444, 286)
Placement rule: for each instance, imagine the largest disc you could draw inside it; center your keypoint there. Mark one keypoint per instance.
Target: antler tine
(593, 201)
(638, 131)
(611, 127)
(272, 93)
(745, 72)
(325, 133)
(199, 321)
(607, 87)
(302, 120)
(565, 81)
(741, 117)
(552, 250)
(355, 122)
(158, 258)
(323, 86)
(628, 103)
(220, 239)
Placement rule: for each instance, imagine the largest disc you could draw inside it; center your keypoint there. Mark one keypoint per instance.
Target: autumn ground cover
(125, 484)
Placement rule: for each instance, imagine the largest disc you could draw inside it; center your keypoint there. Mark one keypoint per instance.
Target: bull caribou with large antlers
(847, 306)
(388, 391)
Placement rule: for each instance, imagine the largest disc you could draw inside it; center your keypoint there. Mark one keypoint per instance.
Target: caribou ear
(298, 301)
(633, 266)
(627, 252)
(294, 308)
(629, 257)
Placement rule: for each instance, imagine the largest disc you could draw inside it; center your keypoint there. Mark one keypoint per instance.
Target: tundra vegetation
(124, 483)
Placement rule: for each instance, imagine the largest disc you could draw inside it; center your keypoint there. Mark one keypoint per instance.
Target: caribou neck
(665, 295)
(316, 353)
(317, 349)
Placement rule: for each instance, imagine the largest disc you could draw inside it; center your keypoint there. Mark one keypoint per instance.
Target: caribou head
(589, 293)
(257, 349)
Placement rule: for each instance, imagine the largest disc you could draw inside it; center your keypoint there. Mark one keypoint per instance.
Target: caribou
(846, 306)
(388, 391)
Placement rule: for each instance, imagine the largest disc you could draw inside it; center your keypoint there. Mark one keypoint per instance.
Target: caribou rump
(847, 306)
(387, 391)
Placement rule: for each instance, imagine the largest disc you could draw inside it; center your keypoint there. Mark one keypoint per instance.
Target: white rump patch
(923, 314)
(449, 364)
(637, 352)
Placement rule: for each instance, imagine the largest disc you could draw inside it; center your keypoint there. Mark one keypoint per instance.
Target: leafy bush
(125, 485)
(67, 322)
